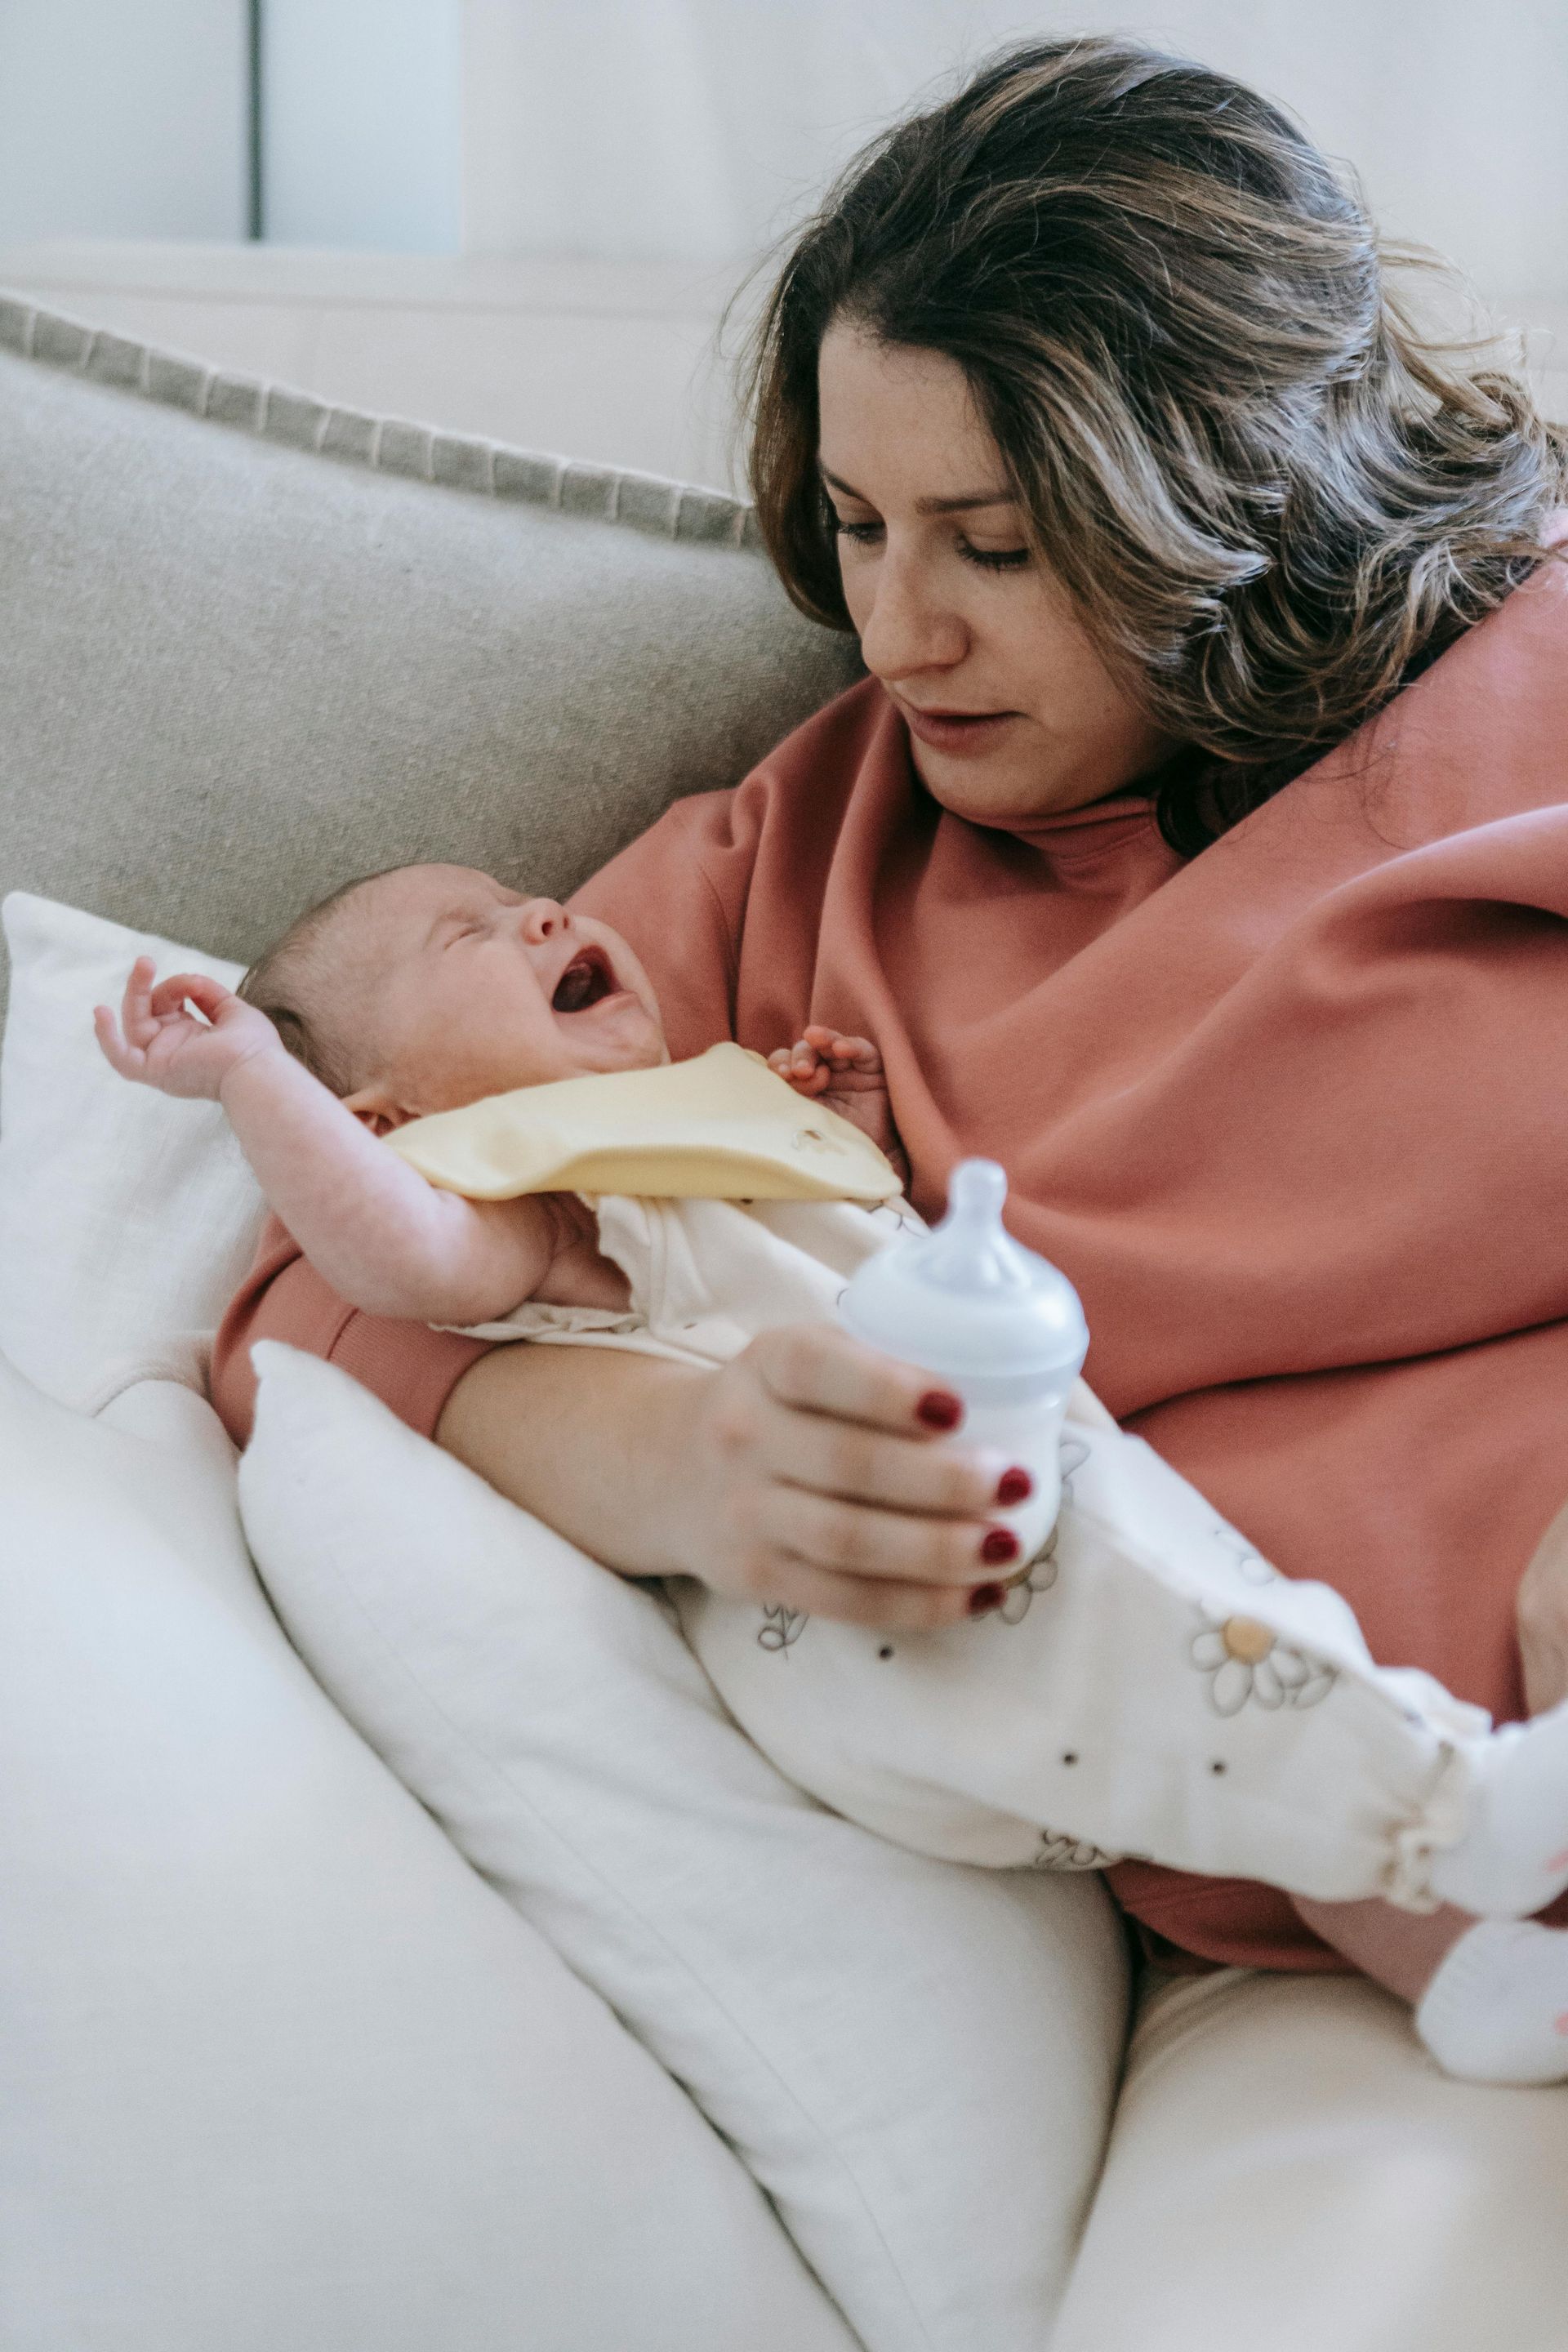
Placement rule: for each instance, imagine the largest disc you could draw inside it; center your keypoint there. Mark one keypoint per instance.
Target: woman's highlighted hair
(1271, 500)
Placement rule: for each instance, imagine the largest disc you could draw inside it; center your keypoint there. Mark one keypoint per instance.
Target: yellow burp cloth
(721, 1127)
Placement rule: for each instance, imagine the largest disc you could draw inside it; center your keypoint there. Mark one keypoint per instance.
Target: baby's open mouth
(587, 978)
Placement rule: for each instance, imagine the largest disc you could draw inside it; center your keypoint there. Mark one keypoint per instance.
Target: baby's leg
(1400, 1949)
(1542, 1612)
(1158, 1690)
(1490, 1997)
(1318, 1756)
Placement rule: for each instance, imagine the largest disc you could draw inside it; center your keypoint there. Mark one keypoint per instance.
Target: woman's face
(1011, 712)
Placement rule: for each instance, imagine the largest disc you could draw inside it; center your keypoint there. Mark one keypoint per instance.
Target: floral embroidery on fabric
(1061, 1851)
(1040, 1572)
(781, 1626)
(1247, 1662)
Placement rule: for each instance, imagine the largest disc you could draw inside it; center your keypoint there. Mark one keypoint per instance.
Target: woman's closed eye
(988, 559)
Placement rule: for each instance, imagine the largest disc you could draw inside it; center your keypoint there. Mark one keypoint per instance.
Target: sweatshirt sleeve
(679, 893)
(411, 1369)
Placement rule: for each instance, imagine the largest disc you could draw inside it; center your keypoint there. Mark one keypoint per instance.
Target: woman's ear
(375, 1108)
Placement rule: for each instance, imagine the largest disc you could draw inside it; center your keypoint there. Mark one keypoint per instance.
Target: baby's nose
(543, 918)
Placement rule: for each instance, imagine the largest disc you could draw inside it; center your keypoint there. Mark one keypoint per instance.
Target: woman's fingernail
(939, 1409)
(986, 1597)
(1001, 1544)
(1013, 1486)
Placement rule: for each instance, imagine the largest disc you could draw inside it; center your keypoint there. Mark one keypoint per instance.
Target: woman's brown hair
(1271, 500)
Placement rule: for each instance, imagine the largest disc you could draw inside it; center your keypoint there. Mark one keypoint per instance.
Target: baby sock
(1512, 1860)
(1496, 2011)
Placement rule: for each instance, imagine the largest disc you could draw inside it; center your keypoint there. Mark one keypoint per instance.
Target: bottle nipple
(968, 1301)
(972, 1249)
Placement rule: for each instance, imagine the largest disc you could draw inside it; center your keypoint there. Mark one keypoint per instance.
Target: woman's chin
(998, 790)
(981, 795)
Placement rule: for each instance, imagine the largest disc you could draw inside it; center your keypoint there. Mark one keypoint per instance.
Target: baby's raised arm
(384, 1239)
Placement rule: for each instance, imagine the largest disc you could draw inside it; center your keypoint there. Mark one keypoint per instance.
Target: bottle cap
(968, 1301)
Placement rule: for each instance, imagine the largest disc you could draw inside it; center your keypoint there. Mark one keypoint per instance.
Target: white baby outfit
(1152, 1687)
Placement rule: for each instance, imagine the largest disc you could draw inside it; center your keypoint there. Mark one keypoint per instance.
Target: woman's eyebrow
(962, 504)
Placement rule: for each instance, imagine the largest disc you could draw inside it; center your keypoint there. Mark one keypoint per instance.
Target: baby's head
(427, 987)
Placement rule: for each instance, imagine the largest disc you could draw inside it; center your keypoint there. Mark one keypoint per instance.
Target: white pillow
(126, 1218)
(277, 2070)
(916, 2060)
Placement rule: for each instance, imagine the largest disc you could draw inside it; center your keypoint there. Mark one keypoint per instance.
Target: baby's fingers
(198, 988)
(126, 1059)
(136, 1005)
(845, 1052)
(800, 1066)
(855, 1054)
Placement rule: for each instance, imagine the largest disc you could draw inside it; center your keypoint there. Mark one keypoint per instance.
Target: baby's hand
(846, 1074)
(824, 1061)
(166, 1046)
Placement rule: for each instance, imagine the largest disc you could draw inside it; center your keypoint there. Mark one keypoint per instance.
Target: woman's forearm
(588, 1439)
(808, 1472)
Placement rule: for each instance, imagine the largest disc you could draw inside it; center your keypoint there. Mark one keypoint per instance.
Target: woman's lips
(957, 730)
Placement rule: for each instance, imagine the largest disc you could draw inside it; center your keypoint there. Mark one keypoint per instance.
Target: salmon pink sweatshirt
(1292, 1115)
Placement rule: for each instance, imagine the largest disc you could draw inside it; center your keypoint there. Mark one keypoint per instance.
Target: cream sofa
(251, 646)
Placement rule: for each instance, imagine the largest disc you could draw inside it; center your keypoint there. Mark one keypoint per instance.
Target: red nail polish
(986, 1597)
(937, 1410)
(1013, 1486)
(1001, 1544)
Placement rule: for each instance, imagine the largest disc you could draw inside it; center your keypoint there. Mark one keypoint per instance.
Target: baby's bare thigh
(1543, 1616)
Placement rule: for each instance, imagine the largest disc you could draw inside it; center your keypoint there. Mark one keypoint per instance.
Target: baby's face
(459, 988)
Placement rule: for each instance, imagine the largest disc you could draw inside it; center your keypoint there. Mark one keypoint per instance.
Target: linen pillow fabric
(277, 2070)
(254, 646)
(126, 1218)
(914, 2059)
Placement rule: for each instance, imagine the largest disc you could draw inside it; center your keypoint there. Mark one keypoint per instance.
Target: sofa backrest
(251, 646)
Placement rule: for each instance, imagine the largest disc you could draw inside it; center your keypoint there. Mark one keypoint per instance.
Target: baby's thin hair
(281, 980)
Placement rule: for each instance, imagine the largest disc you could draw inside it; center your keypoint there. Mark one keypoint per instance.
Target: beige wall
(608, 221)
(689, 129)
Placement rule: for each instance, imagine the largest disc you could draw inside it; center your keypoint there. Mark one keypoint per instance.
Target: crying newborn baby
(422, 990)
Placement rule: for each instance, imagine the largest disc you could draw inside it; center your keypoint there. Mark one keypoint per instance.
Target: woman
(1083, 403)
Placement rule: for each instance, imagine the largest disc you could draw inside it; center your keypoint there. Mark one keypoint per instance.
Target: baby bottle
(996, 1324)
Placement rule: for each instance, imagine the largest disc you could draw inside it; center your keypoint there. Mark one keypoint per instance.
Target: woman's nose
(543, 918)
(906, 628)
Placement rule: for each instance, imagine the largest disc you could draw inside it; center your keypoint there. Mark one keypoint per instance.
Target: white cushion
(917, 2061)
(1289, 2172)
(126, 1218)
(277, 2068)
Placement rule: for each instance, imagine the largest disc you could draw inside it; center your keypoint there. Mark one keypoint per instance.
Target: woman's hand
(810, 1472)
(816, 1479)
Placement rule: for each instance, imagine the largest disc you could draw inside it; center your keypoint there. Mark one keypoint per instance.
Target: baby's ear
(375, 1108)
